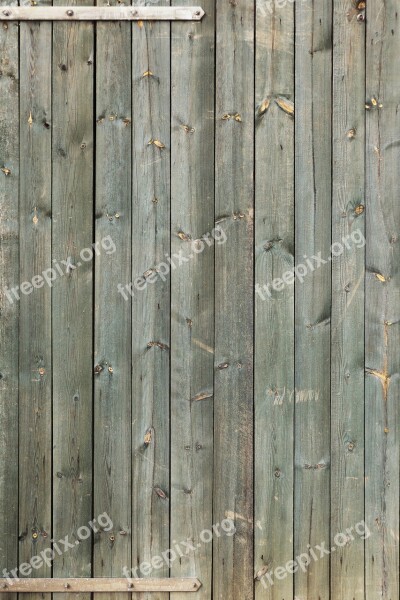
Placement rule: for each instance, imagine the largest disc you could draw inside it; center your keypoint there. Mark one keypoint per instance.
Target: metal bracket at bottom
(98, 585)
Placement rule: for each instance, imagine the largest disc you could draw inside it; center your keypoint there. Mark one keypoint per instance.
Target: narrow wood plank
(313, 291)
(234, 287)
(100, 585)
(192, 300)
(72, 300)
(112, 324)
(35, 360)
(382, 360)
(275, 396)
(102, 13)
(9, 307)
(348, 273)
(151, 299)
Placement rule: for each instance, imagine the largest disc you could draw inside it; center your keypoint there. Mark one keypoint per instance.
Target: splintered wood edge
(101, 13)
(99, 585)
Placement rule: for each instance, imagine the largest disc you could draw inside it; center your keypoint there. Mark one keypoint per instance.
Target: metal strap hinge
(98, 585)
(101, 13)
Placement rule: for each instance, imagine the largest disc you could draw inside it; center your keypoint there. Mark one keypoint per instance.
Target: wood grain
(35, 361)
(313, 291)
(348, 277)
(234, 284)
(275, 395)
(9, 306)
(112, 316)
(382, 359)
(72, 300)
(192, 300)
(151, 301)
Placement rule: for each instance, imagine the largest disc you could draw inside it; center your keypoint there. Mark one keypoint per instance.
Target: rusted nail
(277, 473)
(66, 586)
(7, 13)
(98, 369)
(110, 369)
(361, 17)
(130, 586)
(6, 171)
(351, 133)
(35, 535)
(351, 446)
(42, 371)
(112, 538)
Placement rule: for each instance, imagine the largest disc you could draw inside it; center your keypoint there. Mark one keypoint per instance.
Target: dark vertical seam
(253, 285)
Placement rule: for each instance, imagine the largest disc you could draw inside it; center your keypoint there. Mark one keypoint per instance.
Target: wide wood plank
(9, 306)
(275, 396)
(348, 273)
(72, 301)
(312, 291)
(112, 318)
(382, 360)
(192, 300)
(151, 298)
(102, 13)
(234, 285)
(35, 360)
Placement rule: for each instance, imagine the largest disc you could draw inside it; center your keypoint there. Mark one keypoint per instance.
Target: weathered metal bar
(101, 13)
(99, 585)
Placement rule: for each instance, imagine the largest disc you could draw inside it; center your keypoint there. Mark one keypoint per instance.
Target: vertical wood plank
(348, 273)
(382, 360)
(192, 299)
(35, 410)
(72, 298)
(274, 319)
(234, 281)
(313, 293)
(112, 324)
(9, 308)
(151, 297)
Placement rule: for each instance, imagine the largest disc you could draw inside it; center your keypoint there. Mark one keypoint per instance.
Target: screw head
(66, 586)
(361, 18)
(70, 13)
(6, 13)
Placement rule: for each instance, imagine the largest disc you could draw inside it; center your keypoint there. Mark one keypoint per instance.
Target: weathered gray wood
(150, 306)
(275, 395)
(100, 585)
(382, 360)
(9, 310)
(313, 295)
(73, 122)
(35, 360)
(101, 13)
(348, 273)
(112, 324)
(192, 300)
(234, 293)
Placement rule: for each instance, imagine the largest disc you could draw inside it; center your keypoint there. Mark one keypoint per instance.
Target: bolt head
(70, 13)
